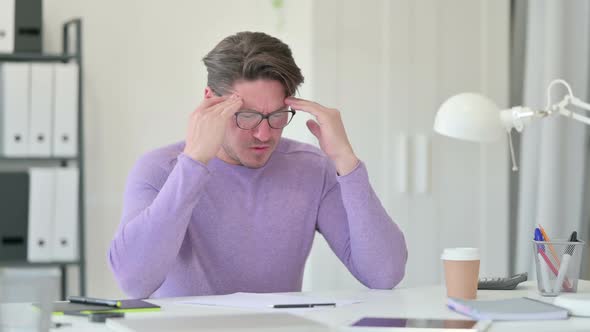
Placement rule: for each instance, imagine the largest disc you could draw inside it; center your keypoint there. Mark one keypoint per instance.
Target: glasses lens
(248, 120)
(280, 119)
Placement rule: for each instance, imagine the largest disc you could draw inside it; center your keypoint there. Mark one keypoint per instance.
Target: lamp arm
(574, 115)
(569, 99)
(517, 117)
(564, 83)
(577, 102)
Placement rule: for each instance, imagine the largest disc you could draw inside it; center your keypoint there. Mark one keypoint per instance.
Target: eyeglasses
(248, 120)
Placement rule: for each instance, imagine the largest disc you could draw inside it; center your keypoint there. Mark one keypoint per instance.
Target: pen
(567, 255)
(303, 305)
(542, 263)
(553, 253)
(563, 268)
(59, 324)
(92, 300)
(541, 249)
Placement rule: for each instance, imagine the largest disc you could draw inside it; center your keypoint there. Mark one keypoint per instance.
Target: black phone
(101, 317)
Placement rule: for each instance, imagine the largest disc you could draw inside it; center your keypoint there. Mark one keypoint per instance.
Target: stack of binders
(38, 109)
(39, 221)
(53, 215)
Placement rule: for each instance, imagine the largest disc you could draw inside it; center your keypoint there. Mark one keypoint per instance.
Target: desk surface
(420, 302)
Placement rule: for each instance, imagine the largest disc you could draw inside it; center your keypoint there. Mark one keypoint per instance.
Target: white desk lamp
(474, 117)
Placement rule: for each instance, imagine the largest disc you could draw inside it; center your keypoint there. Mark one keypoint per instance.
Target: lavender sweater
(194, 229)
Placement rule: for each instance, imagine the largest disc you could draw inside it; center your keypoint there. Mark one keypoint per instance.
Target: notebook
(68, 308)
(511, 309)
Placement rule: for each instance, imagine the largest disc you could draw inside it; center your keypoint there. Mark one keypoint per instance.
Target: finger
(314, 127)
(219, 107)
(208, 105)
(291, 101)
(305, 106)
(232, 108)
(301, 102)
(208, 102)
(294, 99)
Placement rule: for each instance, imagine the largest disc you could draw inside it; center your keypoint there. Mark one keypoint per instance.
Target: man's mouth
(260, 149)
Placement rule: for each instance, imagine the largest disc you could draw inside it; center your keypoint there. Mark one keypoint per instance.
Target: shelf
(23, 164)
(35, 264)
(46, 57)
(71, 51)
(54, 159)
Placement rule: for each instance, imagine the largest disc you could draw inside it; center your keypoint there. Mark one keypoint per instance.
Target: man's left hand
(330, 133)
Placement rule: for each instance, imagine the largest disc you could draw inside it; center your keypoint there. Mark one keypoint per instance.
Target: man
(235, 207)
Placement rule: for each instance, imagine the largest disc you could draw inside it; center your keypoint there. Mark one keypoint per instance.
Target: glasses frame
(267, 117)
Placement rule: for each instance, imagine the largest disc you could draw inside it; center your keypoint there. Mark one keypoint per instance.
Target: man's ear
(209, 93)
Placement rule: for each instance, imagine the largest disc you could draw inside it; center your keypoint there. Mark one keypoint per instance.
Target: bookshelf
(71, 52)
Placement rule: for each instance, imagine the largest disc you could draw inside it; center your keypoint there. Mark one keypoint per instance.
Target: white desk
(422, 302)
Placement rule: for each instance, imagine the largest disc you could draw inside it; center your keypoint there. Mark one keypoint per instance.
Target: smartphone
(101, 317)
(419, 323)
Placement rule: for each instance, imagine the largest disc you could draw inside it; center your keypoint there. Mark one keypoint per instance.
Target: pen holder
(558, 266)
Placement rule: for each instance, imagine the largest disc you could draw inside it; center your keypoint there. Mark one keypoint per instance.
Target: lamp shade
(469, 116)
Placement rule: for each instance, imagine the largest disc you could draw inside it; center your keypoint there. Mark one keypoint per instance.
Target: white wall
(143, 77)
(388, 70)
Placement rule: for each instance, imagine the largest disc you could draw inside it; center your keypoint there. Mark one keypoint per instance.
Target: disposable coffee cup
(461, 267)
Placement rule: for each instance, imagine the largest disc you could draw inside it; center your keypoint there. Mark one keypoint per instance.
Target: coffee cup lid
(460, 254)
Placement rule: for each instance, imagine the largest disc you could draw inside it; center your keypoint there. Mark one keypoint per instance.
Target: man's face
(252, 148)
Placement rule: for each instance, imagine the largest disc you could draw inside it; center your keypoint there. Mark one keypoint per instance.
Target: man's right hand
(207, 126)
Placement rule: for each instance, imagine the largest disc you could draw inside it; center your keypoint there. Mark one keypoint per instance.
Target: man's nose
(263, 131)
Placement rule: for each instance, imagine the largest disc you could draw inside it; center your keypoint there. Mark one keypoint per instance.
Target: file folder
(7, 16)
(28, 23)
(65, 116)
(14, 197)
(41, 203)
(14, 109)
(65, 232)
(41, 109)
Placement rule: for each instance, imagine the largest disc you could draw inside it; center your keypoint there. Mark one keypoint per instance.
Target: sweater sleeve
(156, 212)
(360, 232)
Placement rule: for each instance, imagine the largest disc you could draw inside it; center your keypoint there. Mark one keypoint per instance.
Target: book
(68, 308)
(510, 309)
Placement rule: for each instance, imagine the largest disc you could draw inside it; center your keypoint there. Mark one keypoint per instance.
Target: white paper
(263, 300)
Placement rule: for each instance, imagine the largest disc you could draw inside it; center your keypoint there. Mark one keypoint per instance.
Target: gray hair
(251, 56)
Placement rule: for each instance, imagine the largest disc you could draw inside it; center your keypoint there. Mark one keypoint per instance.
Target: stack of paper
(264, 300)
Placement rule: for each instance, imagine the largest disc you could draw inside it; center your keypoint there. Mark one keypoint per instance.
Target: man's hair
(250, 56)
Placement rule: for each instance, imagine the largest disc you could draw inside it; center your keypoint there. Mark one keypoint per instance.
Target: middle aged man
(235, 207)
